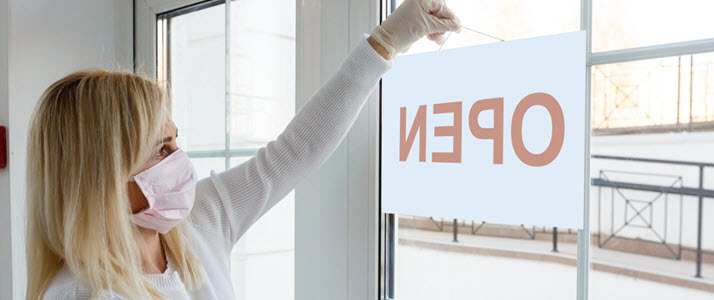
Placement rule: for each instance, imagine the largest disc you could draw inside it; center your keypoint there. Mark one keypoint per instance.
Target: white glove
(412, 20)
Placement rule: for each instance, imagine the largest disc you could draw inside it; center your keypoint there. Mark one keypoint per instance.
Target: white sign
(493, 132)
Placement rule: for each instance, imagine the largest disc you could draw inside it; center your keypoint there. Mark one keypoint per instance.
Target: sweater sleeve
(231, 201)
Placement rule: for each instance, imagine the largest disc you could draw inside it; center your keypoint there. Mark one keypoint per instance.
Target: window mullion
(652, 52)
(583, 240)
(228, 84)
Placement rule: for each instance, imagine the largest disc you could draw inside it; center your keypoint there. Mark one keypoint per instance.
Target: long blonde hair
(89, 132)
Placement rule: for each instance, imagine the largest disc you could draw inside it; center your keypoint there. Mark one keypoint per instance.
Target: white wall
(5, 254)
(47, 40)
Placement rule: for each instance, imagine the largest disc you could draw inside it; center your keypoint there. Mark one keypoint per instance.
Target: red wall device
(3, 147)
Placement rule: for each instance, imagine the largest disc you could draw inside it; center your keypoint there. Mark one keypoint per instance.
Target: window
(636, 23)
(651, 96)
(232, 81)
(652, 110)
(662, 94)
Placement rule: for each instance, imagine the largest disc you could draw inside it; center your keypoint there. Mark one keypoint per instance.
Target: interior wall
(47, 40)
(5, 253)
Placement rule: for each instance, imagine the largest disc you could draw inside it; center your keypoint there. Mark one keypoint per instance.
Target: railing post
(555, 240)
(389, 259)
(699, 223)
(456, 230)
(691, 92)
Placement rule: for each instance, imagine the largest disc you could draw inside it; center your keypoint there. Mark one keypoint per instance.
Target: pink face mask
(170, 187)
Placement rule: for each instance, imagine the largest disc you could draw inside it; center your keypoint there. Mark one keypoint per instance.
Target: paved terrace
(639, 266)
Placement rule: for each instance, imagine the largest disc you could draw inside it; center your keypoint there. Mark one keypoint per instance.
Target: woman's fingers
(442, 19)
(441, 16)
(439, 9)
(454, 19)
(411, 21)
(438, 38)
(443, 25)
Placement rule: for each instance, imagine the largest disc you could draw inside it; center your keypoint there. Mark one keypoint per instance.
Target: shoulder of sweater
(66, 286)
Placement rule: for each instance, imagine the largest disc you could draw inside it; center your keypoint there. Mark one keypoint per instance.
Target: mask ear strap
(131, 178)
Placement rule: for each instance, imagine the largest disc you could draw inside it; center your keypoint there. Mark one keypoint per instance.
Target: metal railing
(675, 188)
(700, 192)
(639, 205)
(617, 91)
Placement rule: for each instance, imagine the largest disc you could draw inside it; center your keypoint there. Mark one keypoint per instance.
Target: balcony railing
(699, 192)
(633, 209)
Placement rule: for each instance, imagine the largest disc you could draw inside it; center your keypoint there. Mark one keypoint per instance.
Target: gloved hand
(412, 20)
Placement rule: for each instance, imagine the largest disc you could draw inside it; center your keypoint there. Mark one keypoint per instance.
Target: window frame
(336, 232)
(163, 71)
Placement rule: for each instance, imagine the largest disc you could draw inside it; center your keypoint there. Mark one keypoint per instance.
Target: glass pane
(665, 92)
(264, 256)
(262, 70)
(197, 76)
(637, 23)
(486, 262)
(204, 166)
(262, 89)
(506, 20)
(644, 242)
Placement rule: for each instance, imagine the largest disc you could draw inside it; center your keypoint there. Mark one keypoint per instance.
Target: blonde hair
(89, 132)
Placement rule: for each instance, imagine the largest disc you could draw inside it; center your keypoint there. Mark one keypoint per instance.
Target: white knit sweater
(228, 203)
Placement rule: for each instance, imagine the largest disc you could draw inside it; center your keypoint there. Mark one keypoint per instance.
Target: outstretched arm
(249, 190)
(230, 202)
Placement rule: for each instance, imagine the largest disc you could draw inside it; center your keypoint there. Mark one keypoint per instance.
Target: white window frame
(336, 210)
(162, 70)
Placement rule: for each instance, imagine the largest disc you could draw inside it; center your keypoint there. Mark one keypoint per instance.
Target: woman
(114, 207)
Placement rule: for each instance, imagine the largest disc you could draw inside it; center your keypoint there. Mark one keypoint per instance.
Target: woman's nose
(172, 146)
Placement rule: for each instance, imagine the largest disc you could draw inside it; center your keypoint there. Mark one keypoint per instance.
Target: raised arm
(249, 190)
(230, 202)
